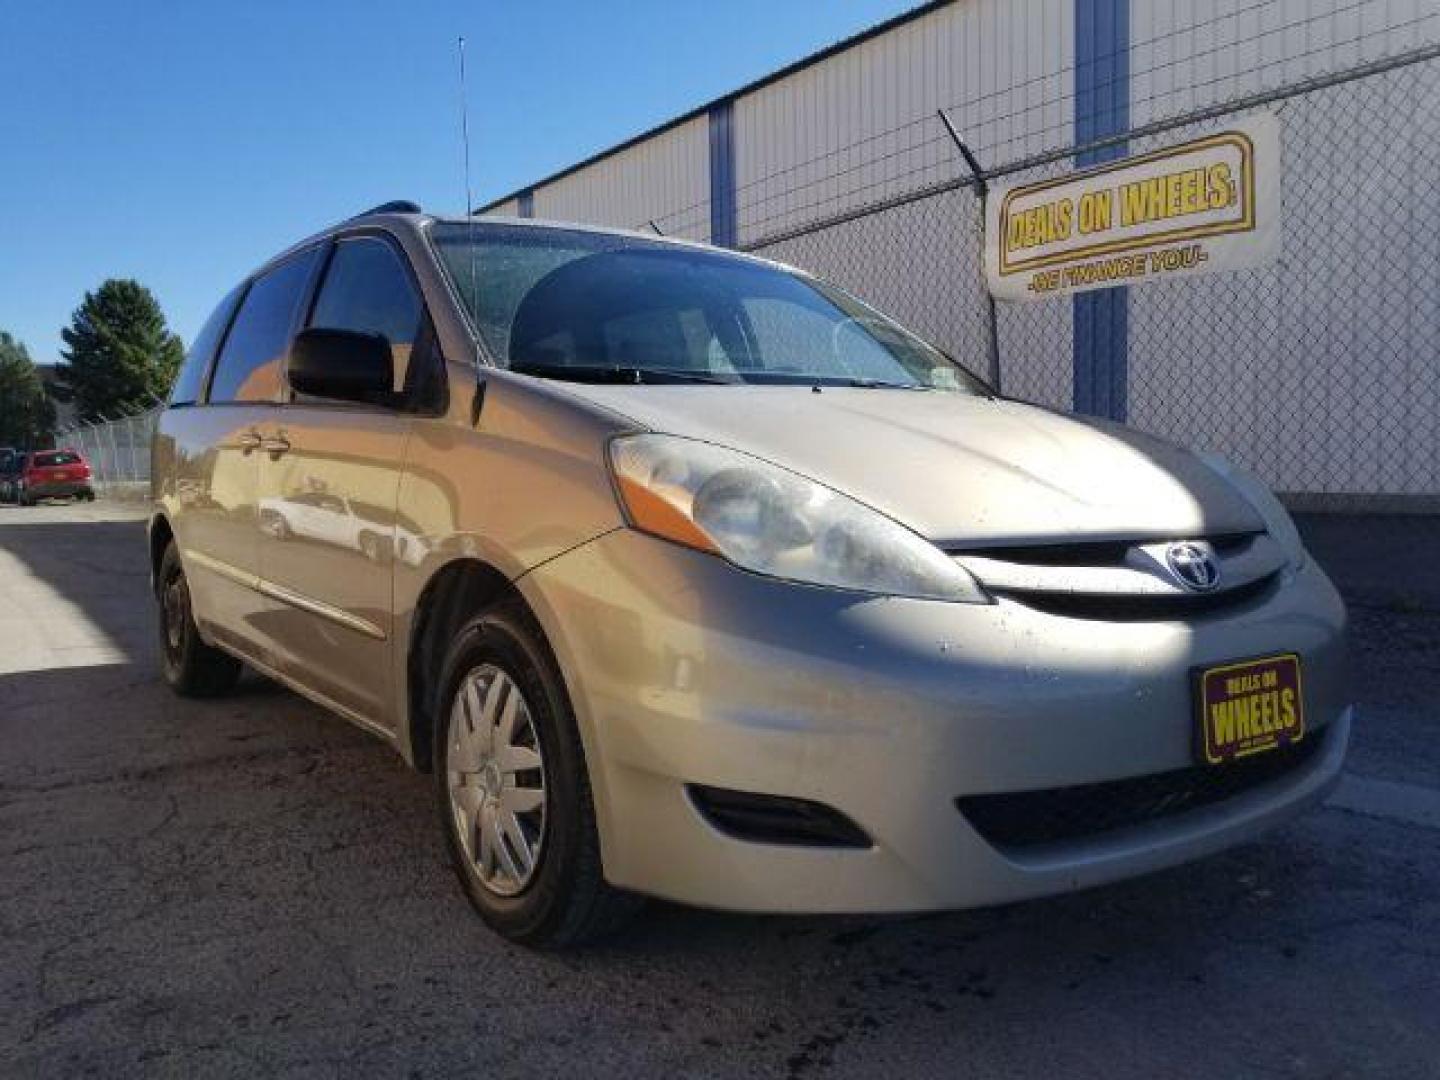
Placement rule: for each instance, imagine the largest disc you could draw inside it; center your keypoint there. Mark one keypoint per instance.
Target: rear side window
(249, 368)
(367, 289)
(190, 382)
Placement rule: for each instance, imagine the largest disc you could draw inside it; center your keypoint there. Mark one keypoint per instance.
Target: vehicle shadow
(92, 572)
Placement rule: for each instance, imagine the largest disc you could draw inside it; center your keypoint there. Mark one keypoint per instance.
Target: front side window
(367, 289)
(252, 359)
(571, 304)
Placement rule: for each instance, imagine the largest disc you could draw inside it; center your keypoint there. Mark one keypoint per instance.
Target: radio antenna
(465, 126)
(474, 297)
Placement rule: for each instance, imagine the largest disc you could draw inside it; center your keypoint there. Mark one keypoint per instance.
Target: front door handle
(249, 440)
(275, 445)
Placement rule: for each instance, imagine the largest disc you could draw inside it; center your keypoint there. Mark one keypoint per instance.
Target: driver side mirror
(345, 365)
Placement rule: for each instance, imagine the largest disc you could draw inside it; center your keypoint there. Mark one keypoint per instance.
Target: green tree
(27, 417)
(119, 353)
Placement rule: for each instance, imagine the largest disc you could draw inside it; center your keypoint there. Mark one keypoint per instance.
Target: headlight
(771, 521)
(1278, 522)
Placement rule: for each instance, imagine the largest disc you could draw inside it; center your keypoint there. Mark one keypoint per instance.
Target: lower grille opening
(776, 819)
(1055, 815)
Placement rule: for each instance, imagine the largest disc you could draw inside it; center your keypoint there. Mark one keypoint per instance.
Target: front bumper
(685, 670)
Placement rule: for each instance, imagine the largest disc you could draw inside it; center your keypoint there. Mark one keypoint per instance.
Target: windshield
(570, 304)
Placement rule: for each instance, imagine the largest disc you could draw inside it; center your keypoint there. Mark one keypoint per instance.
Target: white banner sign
(1209, 204)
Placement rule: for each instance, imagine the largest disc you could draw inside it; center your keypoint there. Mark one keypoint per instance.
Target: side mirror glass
(345, 365)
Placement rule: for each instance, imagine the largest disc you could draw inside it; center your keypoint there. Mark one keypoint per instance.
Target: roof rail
(395, 206)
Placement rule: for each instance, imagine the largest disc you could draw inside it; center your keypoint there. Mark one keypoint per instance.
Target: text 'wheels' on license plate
(1248, 707)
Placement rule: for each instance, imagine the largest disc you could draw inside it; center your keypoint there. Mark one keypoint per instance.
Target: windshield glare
(567, 303)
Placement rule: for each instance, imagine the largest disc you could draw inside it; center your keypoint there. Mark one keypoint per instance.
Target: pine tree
(26, 413)
(120, 355)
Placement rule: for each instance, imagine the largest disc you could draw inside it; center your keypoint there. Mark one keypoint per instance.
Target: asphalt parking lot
(252, 886)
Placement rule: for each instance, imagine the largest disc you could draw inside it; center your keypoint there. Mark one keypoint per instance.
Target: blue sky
(181, 143)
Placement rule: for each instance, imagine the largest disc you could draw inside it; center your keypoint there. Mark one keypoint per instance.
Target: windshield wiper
(604, 373)
(881, 384)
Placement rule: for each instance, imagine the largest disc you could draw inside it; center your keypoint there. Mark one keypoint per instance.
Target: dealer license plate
(1248, 707)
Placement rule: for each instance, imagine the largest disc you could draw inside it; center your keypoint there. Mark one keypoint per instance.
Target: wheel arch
(454, 593)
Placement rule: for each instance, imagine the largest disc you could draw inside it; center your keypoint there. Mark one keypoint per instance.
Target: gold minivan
(689, 575)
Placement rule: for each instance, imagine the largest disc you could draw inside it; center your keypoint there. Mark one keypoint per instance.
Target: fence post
(982, 191)
(134, 460)
(91, 446)
(96, 454)
(114, 446)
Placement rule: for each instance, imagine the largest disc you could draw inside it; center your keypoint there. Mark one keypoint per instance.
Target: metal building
(1321, 372)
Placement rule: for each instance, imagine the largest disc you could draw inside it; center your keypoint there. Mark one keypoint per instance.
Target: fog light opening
(776, 819)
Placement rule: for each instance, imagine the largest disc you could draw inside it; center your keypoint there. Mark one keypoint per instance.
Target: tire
(564, 899)
(191, 667)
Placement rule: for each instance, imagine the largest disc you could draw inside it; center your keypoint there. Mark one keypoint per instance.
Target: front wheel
(191, 667)
(514, 792)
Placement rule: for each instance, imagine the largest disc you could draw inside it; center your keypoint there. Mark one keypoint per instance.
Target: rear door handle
(249, 440)
(275, 444)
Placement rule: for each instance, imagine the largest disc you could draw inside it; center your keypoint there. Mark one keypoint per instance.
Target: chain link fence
(118, 451)
(1320, 372)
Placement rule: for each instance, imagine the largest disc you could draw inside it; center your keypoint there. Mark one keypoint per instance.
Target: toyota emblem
(1193, 566)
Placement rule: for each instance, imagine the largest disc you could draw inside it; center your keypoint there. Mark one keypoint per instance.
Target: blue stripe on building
(724, 226)
(1102, 107)
(525, 203)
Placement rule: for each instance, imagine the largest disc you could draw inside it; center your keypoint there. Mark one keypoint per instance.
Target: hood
(963, 471)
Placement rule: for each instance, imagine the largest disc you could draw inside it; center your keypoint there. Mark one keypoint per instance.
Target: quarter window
(367, 289)
(190, 382)
(254, 354)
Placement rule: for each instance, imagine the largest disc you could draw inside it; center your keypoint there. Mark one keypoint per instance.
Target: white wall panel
(861, 126)
(509, 208)
(667, 176)
(1187, 54)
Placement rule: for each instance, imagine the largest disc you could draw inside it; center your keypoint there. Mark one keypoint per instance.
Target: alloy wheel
(496, 779)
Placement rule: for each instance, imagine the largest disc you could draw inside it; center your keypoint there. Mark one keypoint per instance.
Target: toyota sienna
(689, 575)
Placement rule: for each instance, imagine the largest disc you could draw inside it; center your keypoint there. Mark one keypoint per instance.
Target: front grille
(1124, 580)
(1054, 815)
(1141, 607)
(1095, 552)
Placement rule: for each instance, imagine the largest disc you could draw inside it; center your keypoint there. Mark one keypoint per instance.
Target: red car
(53, 474)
